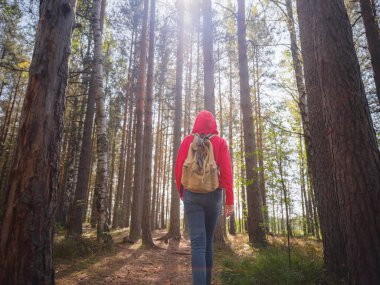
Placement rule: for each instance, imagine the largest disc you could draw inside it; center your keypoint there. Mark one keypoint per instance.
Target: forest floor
(84, 261)
(129, 264)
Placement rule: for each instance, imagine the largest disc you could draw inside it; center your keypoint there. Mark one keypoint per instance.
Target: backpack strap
(209, 136)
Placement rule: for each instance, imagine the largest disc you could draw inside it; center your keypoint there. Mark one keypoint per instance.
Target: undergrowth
(72, 247)
(270, 266)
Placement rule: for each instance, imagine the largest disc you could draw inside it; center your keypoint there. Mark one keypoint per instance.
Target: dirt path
(131, 265)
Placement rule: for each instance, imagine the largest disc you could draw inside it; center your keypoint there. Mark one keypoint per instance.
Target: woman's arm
(225, 177)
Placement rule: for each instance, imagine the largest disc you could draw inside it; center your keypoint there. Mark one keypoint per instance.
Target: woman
(202, 209)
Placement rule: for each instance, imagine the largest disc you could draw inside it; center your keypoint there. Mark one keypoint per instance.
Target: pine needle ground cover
(270, 265)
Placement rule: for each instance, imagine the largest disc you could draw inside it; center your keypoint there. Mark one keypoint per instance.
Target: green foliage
(72, 247)
(271, 266)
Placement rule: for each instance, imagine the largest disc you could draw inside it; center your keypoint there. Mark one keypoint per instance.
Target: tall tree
(126, 205)
(174, 226)
(371, 25)
(256, 229)
(147, 240)
(159, 141)
(27, 226)
(136, 213)
(333, 82)
(302, 104)
(76, 213)
(260, 143)
(232, 226)
(101, 119)
(208, 57)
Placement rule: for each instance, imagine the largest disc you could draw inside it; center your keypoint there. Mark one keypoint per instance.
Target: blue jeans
(202, 211)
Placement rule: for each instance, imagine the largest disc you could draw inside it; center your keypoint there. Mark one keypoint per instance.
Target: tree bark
(159, 129)
(136, 213)
(164, 174)
(220, 230)
(27, 226)
(121, 170)
(334, 83)
(302, 104)
(208, 57)
(147, 240)
(125, 140)
(334, 248)
(256, 230)
(111, 182)
(305, 213)
(232, 227)
(101, 121)
(127, 191)
(68, 187)
(126, 208)
(76, 214)
(174, 226)
(260, 143)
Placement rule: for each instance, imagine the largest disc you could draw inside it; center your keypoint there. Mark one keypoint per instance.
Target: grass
(75, 254)
(270, 265)
(66, 248)
(73, 247)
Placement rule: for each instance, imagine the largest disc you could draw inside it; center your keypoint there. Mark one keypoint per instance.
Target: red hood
(205, 123)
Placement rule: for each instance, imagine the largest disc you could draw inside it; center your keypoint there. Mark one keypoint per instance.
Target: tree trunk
(147, 239)
(136, 213)
(126, 208)
(242, 177)
(256, 231)
(174, 226)
(232, 227)
(334, 248)
(8, 157)
(159, 130)
(92, 198)
(198, 104)
(127, 191)
(286, 200)
(123, 162)
(302, 104)
(334, 83)
(121, 170)
(260, 144)
(305, 214)
(188, 93)
(221, 130)
(8, 115)
(220, 230)
(27, 226)
(6, 143)
(371, 25)
(111, 182)
(164, 175)
(68, 187)
(208, 57)
(101, 120)
(76, 214)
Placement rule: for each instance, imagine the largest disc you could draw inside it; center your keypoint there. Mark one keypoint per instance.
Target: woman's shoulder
(188, 139)
(219, 140)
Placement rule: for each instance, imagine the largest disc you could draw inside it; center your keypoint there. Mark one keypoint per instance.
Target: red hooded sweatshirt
(206, 124)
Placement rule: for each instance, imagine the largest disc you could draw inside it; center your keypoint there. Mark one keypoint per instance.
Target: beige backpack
(200, 172)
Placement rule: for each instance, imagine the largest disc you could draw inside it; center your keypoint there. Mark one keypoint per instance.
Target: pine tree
(27, 225)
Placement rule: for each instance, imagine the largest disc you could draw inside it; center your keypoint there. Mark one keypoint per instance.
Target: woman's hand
(228, 210)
